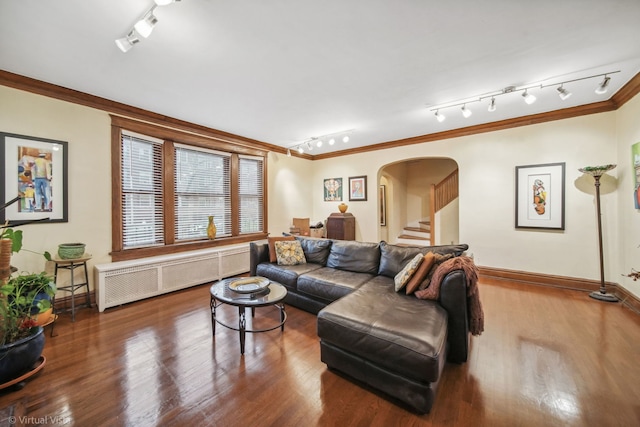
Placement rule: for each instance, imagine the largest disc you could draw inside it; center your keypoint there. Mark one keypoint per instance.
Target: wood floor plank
(548, 357)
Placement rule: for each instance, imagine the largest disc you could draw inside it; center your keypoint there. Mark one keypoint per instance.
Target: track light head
(345, 139)
(319, 143)
(126, 43)
(288, 152)
(528, 98)
(300, 149)
(603, 87)
(492, 105)
(332, 141)
(466, 112)
(563, 93)
(440, 117)
(309, 146)
(146, 24)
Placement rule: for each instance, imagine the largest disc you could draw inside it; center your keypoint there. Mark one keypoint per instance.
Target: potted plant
(21, 340)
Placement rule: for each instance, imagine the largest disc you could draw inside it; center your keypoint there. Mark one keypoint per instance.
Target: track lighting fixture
(288, 152)
(563, 93)
(142, 28)
(126, 43)
(528, 98)
(603, 87)
(146, 24)
(318, 141)
(492, 105)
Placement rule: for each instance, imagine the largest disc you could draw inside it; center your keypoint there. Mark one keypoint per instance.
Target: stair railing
(440, 195)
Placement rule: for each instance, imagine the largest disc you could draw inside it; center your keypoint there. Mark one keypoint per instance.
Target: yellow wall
(487, 168)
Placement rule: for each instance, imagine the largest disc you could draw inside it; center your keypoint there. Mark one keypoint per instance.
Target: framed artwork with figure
(540, 196)
(357, 188)
(33, 184)
(333, 190)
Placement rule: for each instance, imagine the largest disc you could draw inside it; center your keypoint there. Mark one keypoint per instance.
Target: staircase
(413, 235)
(440, 195)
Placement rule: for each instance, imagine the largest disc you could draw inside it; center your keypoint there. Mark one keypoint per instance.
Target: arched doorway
(404, 202)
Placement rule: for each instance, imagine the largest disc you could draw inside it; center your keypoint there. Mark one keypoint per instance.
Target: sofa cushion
(437, 260)
(421, 273)
(315, 250)
(393, 258)
(402, 278)
(330, 284)
(272, 245)
(397, 332)
(359, 257)
(289, 253)
(286, 275)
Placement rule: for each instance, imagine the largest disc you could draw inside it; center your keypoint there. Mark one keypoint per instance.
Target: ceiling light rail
(318, 141)
(142, 28)
(528, 97)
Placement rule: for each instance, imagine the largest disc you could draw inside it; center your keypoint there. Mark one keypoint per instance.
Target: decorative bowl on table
(70, 250)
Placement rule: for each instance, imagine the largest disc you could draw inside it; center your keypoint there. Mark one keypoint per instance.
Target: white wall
(628, 250)
(487, 191)
(486, 163)
(88, 133)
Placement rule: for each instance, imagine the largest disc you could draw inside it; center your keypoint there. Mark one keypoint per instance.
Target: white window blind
(142, 211)
(251, 194)
(202, 188)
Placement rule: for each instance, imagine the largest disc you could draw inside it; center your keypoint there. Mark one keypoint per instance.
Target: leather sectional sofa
(390, 341)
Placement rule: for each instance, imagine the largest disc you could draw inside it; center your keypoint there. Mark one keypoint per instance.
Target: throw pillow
(272, 247)
(289, 253)
(405, 274)
(439, 259)
(420, 274)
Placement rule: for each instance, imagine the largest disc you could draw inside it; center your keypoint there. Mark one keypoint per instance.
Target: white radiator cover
(127, 281)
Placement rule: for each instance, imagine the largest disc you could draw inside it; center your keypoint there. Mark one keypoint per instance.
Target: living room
(486, 161)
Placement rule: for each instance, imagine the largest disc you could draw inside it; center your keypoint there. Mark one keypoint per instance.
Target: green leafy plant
(20, 299)
(16, 242)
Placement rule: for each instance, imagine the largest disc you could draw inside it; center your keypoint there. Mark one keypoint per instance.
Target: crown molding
(16, 81)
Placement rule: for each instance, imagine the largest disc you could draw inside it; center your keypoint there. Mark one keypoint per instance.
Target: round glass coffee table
(247, 292)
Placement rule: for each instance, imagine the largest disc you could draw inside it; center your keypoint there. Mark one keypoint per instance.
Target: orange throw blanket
(432, 292)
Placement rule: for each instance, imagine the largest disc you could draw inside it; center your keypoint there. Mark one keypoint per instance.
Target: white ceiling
(283, 71)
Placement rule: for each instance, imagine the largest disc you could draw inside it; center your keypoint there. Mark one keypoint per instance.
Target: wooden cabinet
(341, 226)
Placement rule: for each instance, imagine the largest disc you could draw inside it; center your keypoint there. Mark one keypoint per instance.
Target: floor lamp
(596, 172)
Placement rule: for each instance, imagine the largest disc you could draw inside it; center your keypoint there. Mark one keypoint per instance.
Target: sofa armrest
(453, 297)
(258, 252)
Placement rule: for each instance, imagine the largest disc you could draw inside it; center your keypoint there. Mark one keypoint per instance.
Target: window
(202, 188)
(170, 182)
(141, 161)
(251, 194)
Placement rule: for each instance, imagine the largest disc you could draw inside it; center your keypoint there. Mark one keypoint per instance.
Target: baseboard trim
(585, 285)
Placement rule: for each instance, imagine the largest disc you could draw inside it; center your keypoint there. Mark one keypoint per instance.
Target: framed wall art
(333, 190)
(383, 205)
(357, 188)
(33, 182)
(540, 196)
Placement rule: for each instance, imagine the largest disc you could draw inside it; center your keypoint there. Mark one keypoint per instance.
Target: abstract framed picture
(333, 190)
(635, 162)
(33, 184)
(357, 188)
(540, 196)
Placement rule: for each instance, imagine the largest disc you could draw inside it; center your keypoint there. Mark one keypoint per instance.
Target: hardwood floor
(548, 357)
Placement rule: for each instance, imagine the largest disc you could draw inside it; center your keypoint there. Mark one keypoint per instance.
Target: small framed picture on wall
(357, 188)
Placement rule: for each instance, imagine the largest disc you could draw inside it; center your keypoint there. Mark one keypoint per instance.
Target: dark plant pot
(39, 297)
(19, 357)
